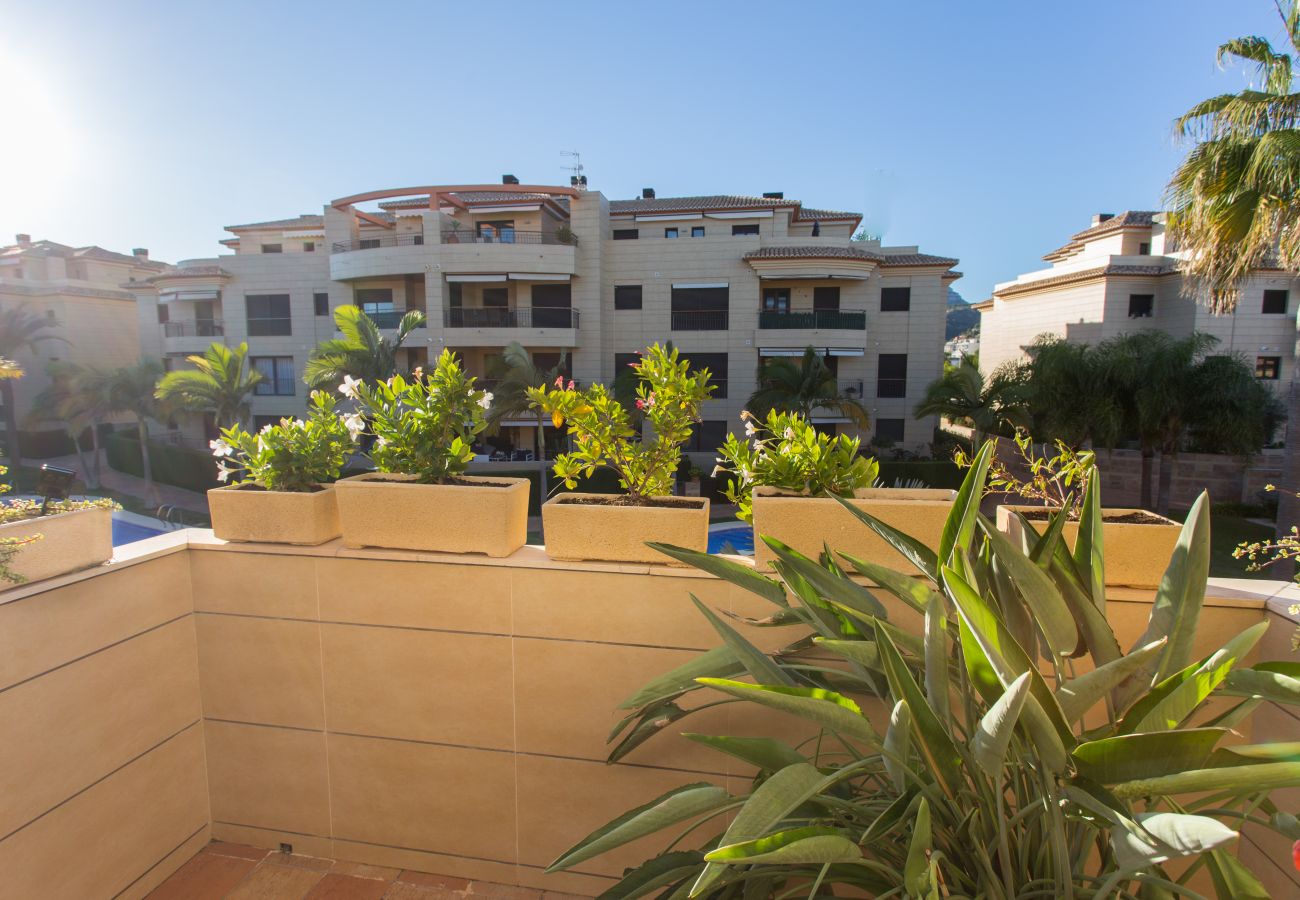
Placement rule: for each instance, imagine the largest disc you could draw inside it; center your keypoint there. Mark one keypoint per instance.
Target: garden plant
(295, 455)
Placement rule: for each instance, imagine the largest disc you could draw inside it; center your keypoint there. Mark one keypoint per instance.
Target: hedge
(181, 467)
(934, 473)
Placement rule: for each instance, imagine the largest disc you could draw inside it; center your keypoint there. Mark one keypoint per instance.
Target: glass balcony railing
(197, 328)
(501, 317)
(700, 320)
(388, 318)
(842, 319)
(504, 236)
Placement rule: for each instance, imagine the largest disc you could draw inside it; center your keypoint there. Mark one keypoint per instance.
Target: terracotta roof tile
(53, 248)
(819, 252)
(306, 220)
(1132, 218)
(709, 202)
(916, 259)
(1151, 271)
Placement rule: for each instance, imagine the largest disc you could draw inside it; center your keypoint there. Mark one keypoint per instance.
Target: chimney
(509, 179)
(140, 253)
(1101, 217)
(774, 195)
(23, 240)
(647, 193)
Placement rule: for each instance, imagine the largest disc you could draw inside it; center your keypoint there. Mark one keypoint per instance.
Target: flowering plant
(788, 453)
(295, 455)
(20, 509)
(426, 426)
(668, 395)
(1058, 482)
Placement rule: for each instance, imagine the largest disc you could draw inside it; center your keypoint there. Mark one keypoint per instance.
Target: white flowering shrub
(295, 455)
(788, 453)
(426, 426)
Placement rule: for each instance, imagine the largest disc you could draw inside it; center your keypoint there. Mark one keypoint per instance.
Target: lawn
(1226, 532)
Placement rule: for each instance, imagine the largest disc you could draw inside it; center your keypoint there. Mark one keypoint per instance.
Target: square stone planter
(394, 511)
(1137, 554)
(69, 541)
(305, 518)
(596, 531)
(809, 523)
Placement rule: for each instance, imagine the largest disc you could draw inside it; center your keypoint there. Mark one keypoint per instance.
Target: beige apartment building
(732, 281)
(81, 290)
(1119, 275)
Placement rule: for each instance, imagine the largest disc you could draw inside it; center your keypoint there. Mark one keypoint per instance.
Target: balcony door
(378, 304)
(501, 231)
(776, 300)
(552, 306)
(205, 320)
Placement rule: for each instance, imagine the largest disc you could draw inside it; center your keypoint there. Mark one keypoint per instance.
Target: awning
(670, 217)
(175, 296)
(845, 351)
(820, 351)
(843, 276)
(468, 278)
(747, 214)
(701, 285)
(537, 276)
(830, 420)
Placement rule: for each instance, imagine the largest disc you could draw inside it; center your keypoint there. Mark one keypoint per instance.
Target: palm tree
(515, 372)
(1070, 395)
(79, 397)
(219, 384)
(1235, 200)
(804, 387)
(132, 390)
(989, 406)
(363, 352)
(20, 331)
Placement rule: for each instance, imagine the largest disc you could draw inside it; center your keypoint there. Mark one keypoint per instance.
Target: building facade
(732, 281)
(1120, 275)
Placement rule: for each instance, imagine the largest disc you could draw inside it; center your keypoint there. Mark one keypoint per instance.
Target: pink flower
(640, 404)
(570, 384)
(559, 382)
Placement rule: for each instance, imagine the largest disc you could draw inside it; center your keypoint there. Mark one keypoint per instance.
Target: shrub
(180, 467)
(18, 510)
(296, 454)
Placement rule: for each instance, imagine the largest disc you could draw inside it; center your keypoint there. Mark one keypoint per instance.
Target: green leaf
(911, 590)
(813, 844)
(1051, 614)
(1259, 682)
(756, 662)
(832, 586)
(998, 725)
(650, 723)
(677, 805)
(1130, 757)
(738, 574)
(959, 529)
(1089, 558)
(916, 870)
(716, 663)
(1232, 879)
(1245, 754)
(1045, 548)
(762, 753)
(654, 874)
(937, 652)
(913, 550)
(864, 653)
(827, 708)
(1241, 779)
(1078, 695)
(932, 739)
(897, 743)
(1164, 836)
(1098, 638)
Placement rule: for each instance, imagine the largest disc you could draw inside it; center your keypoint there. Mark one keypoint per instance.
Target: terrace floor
(222, 871)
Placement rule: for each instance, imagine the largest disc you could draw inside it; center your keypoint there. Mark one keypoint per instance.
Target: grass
(1226, 532)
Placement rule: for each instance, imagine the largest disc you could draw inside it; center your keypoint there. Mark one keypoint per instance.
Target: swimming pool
(129, 528)
(731, 537)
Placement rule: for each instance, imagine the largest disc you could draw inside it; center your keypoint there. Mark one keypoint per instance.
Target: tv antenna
(576, 177)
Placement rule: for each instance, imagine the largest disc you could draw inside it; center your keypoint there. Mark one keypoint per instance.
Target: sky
(989, 131)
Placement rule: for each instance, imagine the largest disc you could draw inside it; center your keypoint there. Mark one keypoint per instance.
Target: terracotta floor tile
(362, 870)
(406, 890)
(270, 882)
(298, 861)
(444, 882)
(348, 887)
(239, 851)
(490, 891)
(205, 877)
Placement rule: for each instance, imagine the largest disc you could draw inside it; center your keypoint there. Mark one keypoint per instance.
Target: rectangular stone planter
(593, 531)
(274, 517)
(809, 523)
(1136, 554)
(69, 541)
(379, 510)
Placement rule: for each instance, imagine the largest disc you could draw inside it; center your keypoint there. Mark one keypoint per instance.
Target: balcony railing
(197, 328)
(850, 387)
(504, 237)
(700, 320)
(406, 239)
(389, 318)
(500, 317)
(844, 319)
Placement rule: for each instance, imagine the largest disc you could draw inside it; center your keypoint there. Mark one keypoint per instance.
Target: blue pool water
(129, 532)
(738, 538)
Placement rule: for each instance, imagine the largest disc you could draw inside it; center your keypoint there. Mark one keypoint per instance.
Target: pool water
(736, 539)
(129, 532)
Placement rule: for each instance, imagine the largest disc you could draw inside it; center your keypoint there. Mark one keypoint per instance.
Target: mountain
(960, 316)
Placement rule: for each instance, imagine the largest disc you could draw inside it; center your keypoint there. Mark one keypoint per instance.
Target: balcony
(451, 236)
(204, 328)
(382, 255)
(813, 319)
(500, 317)
(391, 318)
(700, 320)
(850, 387)
(374, 243)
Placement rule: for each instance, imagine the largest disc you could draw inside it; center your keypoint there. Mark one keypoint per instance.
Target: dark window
(1268, 368)
(1275, 303)
(895, 299)
(268, 315)
(624, 361)
(891, 375)
(626, 234)
(308, 246)
(1144, 249)
(776, 300)
(260, 422)
(377, 303)
(697, 231)
(272, 248)
(826, 298)
(670, 232)
(277, 375)
(889, 429)
(163, 313)
(627, 296)
(552, 306)
(700, 309)
(501, 231)
(708, 436)
(322, 302)
(716, 363)
(367, 243)
(744, 229)
(1140, 306)
(498, 298)
(548, 361)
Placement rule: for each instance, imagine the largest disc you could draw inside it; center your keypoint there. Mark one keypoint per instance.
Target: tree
(78, 396)
(990, 406)
(803, 387)
(515, 373)
(1235, 200)
(363, 352)
(132, 390)
(219, 384)
(1071, 397)
(20, 331)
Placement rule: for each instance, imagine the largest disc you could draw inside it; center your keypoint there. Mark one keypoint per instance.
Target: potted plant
(453, 237)
(564, 234)
(785, 476)
(1138, 540)
(419, 497)
(616, 527)
(281, 494)
(40, 540)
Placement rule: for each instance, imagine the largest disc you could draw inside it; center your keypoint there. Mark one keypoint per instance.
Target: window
(707, 437)
(322, 302)
(1144, 249)
(552, 306)
(697, 231)
(268, 315)
(624, 361)
(626, 234)
(500, 231)
(308, 246)
(895, 299)
(827, 298)
(1140, 306)
(889, 430)
(260, 422)
(700, 308)
(716, 363)
(272, 248)
(277, 375)
(627, 296)
(1268, 368)
(891, 375)
(776, 300)
(498, 298)
(367, 243)
(163, 313)
(743, 229)
(1275, 303)
(670, 232)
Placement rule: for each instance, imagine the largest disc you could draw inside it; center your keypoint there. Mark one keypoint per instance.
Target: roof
(306, 220)
(916, 259)
(720, 202)
(1132, 218)
(1152, 271)
(850, 252)
(190, 272)
(53, 248)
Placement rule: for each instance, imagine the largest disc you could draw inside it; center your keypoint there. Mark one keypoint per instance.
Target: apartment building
(1120, 274)
(732, 281)
(81, 290)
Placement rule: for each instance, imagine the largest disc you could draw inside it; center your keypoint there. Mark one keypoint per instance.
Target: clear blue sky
(987, 131)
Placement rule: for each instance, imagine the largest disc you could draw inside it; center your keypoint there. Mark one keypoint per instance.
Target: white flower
(223, 473)
(716, 471)
(261, 444)
(349, 387)
(745, 474)
(220, 448)
(789, 433)
(381, 442)
(750, 428)
(354, 424)
(267, 427)
(486, 400)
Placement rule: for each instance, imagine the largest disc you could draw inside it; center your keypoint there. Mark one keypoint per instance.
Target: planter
(808, 524)
(274, 517)
(578, 530)
(394, 511)
(69, 541)
(1137, 554)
